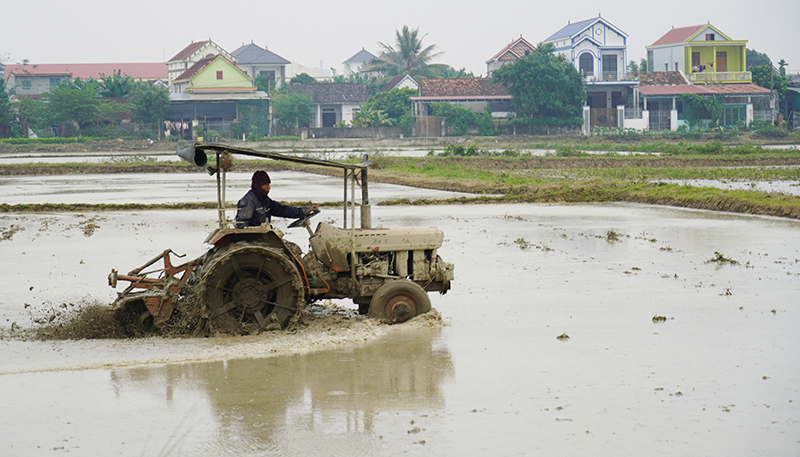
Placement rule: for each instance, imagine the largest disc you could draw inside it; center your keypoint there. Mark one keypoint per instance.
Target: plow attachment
(158, 294)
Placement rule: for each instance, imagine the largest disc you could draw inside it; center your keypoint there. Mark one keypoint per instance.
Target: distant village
(206, 83)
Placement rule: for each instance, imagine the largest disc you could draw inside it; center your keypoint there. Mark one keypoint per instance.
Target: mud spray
(89, 320)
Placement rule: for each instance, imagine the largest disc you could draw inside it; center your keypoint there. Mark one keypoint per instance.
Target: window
(26, 85)
(709, 37)
(585, 64)
(219, 74)
(270, 74)
(609, 67)
(54, 82)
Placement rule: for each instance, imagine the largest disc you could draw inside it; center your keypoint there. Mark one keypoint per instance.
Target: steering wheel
(303, 220)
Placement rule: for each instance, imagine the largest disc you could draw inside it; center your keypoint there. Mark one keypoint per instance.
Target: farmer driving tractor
(256, 208)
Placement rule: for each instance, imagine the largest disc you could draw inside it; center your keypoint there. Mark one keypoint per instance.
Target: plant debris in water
(720, 259)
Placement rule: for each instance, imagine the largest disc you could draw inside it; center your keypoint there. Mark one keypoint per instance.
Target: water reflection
(268, 402)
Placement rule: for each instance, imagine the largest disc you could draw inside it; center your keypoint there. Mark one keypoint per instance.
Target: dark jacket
(253, 211)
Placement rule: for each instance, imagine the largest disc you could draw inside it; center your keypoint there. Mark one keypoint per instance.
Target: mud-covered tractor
(252, 279)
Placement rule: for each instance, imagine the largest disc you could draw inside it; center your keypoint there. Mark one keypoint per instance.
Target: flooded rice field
(612, 329)
(154, 188)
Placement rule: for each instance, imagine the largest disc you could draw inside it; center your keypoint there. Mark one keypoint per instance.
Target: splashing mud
(92, 320)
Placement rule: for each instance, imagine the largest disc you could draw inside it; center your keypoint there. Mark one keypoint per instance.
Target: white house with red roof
(32, 80)
(191, 54)
(512, 52)
(703, 53)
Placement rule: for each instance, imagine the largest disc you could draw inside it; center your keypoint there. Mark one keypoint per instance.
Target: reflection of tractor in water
(252, 279)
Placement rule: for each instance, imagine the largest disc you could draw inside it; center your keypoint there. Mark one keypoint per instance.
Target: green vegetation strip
(86, 207)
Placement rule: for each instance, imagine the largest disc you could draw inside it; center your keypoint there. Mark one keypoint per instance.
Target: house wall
(232, 77)
(597, 40)
(670, 55)
(734, 56)
(37, 84)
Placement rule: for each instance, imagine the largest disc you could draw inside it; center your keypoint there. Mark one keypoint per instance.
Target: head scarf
(259, 179)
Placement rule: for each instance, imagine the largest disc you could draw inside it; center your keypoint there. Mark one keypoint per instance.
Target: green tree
(6, 115)
(782, 65)
(755, 58)
(544, 86)
(264, 83)
(115, 86)
(395, 103)
(702, 109)
(461, 119)
(302, 78)
(373, 84)
(74, 106)
(637, 68)
(150, 104)
(765, 76)
(448, 72)
(409, 57)
(32, 114)
(292, 111)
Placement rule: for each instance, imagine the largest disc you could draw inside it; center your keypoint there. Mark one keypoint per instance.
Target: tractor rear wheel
(249, 287)
(398, 301)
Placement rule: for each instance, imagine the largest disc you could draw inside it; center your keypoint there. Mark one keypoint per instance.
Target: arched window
(586, 64)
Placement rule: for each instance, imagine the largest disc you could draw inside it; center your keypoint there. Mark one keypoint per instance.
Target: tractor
(251, 279)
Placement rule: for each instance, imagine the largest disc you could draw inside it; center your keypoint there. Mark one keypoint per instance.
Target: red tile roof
(738, 89)
(147, 70)
(188, 51)
(672, 90)
(678, 35)
(462, 87)
(515, 46)
(731, 89)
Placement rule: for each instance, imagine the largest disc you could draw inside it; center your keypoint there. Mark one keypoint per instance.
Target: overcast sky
(313, 31)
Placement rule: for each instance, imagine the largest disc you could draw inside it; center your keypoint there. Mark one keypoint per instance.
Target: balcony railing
(613, 76)
(720, 76)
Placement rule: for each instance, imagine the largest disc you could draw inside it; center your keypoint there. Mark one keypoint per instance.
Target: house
(402, 81)
(598, 50)
(741, 103)
(190, 55)
(703, 53)
(255, 61)
(38, 79)
(354, 64)
(511, 53)
(333, 102)
(473, 93)
(213, 93)
(596, 47)
(33, 82)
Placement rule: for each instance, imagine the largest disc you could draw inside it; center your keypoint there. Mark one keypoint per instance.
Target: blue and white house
(596, 47)
(599, 50)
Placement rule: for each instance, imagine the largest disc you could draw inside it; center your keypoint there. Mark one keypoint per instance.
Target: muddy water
(193, 187)
(720, 376)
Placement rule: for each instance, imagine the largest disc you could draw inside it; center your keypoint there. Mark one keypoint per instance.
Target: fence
(659, 120)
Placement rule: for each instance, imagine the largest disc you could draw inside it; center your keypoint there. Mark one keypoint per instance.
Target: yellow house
(213, 74)
(701, 52)
(217, 95)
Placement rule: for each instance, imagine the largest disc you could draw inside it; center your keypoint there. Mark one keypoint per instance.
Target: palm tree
(409, 56)
(782, 65)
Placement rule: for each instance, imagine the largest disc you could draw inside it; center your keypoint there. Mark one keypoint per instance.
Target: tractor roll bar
(197, 154)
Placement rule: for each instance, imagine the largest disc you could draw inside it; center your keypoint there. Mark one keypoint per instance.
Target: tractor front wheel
(398, 301)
